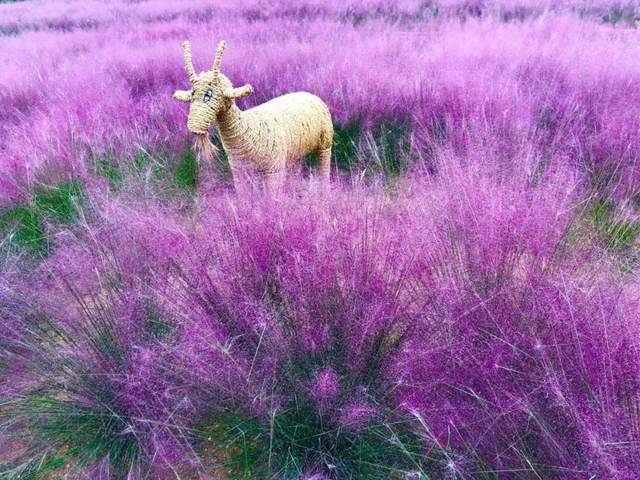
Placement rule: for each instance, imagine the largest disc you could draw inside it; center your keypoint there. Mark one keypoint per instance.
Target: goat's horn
(218, 60)
(188, 62)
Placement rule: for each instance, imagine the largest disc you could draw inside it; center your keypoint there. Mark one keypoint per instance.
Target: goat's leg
(242, 181)
(324, 164)
(273, 181)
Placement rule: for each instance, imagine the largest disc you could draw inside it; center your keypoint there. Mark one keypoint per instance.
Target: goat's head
(211, 92)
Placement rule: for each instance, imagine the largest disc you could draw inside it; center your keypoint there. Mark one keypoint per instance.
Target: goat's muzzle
(198, 127)
(200, 118)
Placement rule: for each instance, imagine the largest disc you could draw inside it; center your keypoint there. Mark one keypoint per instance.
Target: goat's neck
(233, 126)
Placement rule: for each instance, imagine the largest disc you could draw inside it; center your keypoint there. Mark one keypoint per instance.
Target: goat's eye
(208, 95)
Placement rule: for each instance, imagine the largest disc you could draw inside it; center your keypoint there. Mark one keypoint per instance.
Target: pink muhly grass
(492, 336)
(472, 314)
(84, 94)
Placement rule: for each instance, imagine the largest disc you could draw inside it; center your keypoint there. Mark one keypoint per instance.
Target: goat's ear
(183, 95)
(239, 92)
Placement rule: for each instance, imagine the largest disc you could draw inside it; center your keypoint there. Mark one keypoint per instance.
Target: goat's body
(265, 139)
(277, 134)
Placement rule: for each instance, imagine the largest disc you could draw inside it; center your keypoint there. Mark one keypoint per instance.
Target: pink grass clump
(493, 334)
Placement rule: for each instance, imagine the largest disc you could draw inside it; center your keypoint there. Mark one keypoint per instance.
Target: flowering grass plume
(462, 303)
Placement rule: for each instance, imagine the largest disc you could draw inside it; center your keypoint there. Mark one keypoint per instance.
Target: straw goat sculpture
(266, 139)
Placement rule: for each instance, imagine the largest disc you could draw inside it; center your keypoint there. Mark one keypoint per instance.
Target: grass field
(462, 303)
